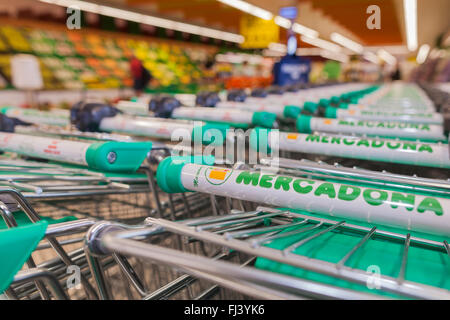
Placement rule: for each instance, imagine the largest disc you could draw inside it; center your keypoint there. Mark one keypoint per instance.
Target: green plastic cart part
(335, 100)
(345, 96)
(223, 127)
(238, 125)
(291, 112)
(117, 156)
(349, 95)
(22, 219)
(324, 103)
(331, 112)
(304, 124)
(311, 107)
(424, 266)
(207, 134)
(16, 246)
(264, 119)
(168, 173)
(4, 110)
(259, 138)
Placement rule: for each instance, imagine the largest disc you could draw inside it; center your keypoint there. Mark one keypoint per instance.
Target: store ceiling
(347, 17)
(206, 12)
(352, 15)
(348, 14)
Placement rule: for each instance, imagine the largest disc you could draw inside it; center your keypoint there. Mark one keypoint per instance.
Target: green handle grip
(311, 107)
(264, 119)
(291, 112)
(205, 133)
(117, 156)
(304, 124)
(168, 173)
(259, 138)
(331, 112)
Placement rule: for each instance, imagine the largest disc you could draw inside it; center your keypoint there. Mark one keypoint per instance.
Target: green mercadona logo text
(396, 114)
(373, 197)
(385, 125)
(371, 143)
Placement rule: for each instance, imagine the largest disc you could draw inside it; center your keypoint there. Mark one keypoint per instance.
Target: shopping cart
(331, 231)
(394, 110)
(54, 192)
(69, 191)
(65, 189)
(102, 152)
(169, 107)
(293, 253)
(95, 119)
(289, 255)
(384, 154)
(25, 230)
(382, 127)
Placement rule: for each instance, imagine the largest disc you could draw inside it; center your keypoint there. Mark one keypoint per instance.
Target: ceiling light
(147, 19)
(248, 8)
(322, 44)
(301, 29)
(279, 47)
(370, 56)
(386, 56)
(346, 42)
(282, 22)
(296, 27)
(334, 56)
(423, 53)
(410, 9)
(397, 50)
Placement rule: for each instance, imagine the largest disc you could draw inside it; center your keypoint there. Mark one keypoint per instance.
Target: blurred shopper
(396, 75)
(141, 76)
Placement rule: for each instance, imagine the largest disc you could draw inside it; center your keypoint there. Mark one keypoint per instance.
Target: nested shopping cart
(18, 243)
(283, 229)
(290, 252)
(56, 192)
(23, 232)
(125, 155)
(118, 158)
(290, 255)
(51, 271)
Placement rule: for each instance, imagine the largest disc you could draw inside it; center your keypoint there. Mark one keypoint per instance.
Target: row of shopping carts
(92, 210)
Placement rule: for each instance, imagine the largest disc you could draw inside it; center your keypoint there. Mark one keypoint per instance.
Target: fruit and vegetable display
(82, 60)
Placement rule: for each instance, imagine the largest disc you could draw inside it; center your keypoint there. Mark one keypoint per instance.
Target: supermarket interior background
(224, 149)
(96, 56)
